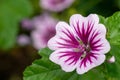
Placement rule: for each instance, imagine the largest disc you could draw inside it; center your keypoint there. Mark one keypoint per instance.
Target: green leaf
(113, 69)
(95, 74)
(102, 19)
(45, 52)
(11, 12)
(112, 24)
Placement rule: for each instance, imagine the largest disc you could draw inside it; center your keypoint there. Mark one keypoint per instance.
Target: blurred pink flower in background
(55, 5)
(27, 24)
(23, 40)
(44, 30)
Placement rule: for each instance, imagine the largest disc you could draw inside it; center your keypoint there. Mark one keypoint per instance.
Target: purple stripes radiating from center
(85, 34)
(73, 57)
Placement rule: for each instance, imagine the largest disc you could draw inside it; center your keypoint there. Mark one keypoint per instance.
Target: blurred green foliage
(11, 12)
(112, 24)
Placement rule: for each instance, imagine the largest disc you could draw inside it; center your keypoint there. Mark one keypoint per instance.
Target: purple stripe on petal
(70, 35)
(93, 55)
(80, 34)
(66, 45)
(94, 35)
(70, 41)
(65, 54)
(89, 30)
(83, 62)
(84, 35)
(73, 56)
(77, 30)
(95, 42)
(88, 58)
(97, 46)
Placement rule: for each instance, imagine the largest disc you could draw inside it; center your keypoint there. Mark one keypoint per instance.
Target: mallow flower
(55, 5)
(82, 45)
(44, 29)
(27, 24)
(23, 40)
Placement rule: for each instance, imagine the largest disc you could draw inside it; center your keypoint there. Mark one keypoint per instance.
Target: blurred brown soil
(14, 61)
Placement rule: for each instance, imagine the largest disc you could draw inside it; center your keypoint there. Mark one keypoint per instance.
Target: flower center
(82, 49)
